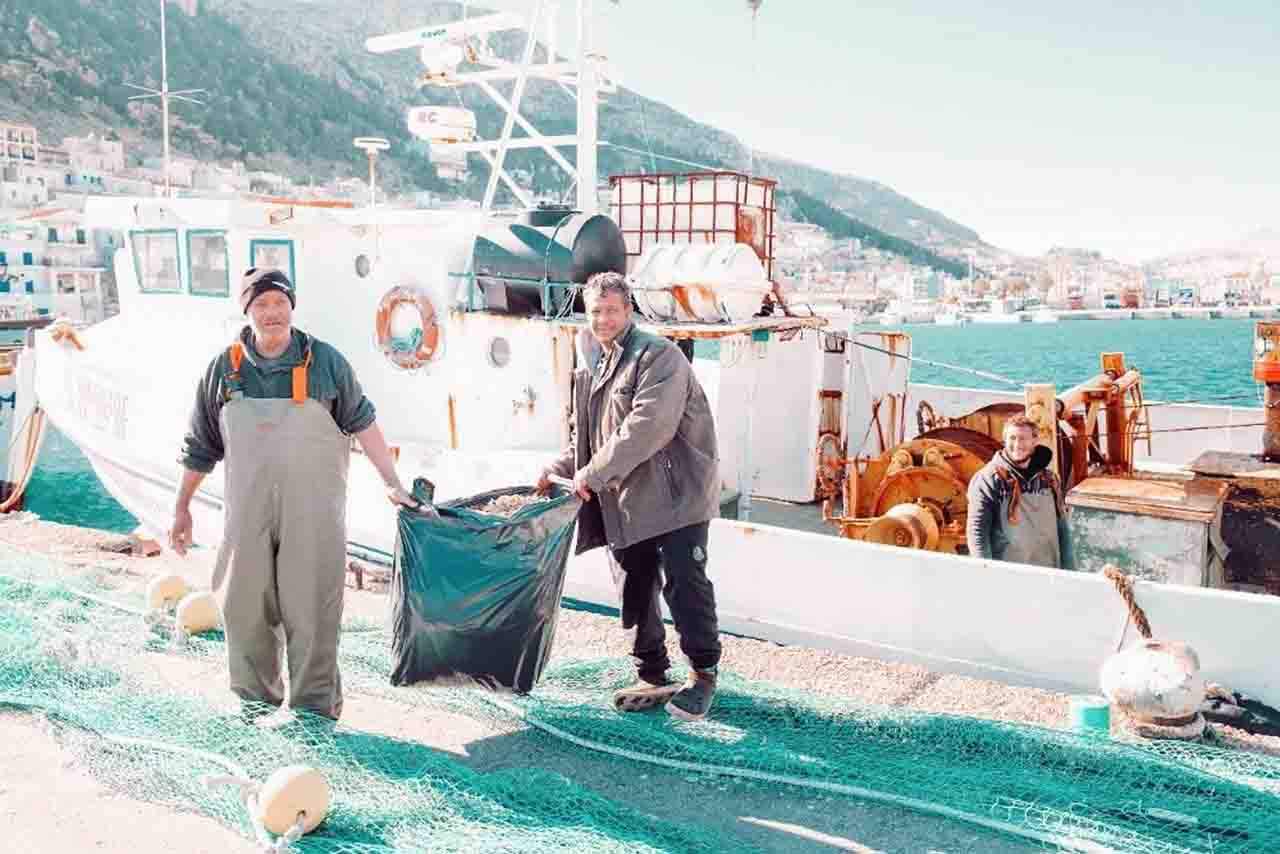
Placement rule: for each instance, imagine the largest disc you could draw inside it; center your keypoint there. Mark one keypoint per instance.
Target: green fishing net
(149, 716)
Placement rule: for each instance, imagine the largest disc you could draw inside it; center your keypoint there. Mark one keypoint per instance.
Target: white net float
(294, 793)
(198, 612)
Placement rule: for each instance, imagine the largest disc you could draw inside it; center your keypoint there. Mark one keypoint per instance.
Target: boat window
(363, 265)
(155, 257)
(273, 253)
(207, 263)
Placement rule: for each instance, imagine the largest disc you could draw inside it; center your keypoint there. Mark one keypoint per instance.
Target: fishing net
(120, 694)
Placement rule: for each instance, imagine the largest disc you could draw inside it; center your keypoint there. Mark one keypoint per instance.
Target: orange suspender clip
(300, 380)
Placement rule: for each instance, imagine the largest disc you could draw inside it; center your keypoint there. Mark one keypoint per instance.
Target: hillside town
(53, 263)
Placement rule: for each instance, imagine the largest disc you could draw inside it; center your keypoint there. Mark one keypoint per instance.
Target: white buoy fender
(1156, 681)
(164, 591)
(289, 792)
(198, 612)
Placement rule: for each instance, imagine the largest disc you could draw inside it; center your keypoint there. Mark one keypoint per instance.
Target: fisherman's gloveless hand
(580, 486)
(401, 497)
(180, 533)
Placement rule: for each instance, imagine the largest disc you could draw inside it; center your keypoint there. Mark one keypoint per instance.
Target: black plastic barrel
(555, 245)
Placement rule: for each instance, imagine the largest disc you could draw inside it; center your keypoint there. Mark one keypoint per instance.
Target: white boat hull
(1013, 623)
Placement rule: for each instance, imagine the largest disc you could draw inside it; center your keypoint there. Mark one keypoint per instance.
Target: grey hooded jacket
(642, 432)
(1019, 515)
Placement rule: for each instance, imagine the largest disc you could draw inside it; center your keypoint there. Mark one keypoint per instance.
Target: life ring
(406, 329)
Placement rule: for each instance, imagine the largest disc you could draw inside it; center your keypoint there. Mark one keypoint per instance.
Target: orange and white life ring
(406, 328)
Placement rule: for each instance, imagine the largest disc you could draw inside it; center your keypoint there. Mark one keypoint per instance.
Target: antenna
(164, 95)
(371, 145)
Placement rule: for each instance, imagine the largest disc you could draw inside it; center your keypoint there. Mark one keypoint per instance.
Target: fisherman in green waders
(278, 408)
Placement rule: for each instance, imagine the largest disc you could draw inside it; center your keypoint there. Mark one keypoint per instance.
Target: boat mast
(446, 46)
(588, 113)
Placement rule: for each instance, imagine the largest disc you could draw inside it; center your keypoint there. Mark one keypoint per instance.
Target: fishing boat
(464, 328)
(998, 311)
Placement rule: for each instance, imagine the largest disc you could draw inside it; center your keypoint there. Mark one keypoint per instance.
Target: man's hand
(400, 497)
(543, 485)
(580, 485)
(180, 533)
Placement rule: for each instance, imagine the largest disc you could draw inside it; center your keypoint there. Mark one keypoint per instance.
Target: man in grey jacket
(1015, 503)
(642, 455)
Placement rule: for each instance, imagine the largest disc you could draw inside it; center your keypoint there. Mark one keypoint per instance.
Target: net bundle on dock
(148, 717)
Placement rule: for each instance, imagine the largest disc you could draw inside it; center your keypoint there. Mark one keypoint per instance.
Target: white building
(181, 170)
(211, 177)
(94, 154)
(20, 189)
(51, 265)
(19, 144)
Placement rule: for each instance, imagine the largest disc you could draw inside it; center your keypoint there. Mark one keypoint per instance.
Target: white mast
(443, 49)
(588, 113)
(164, 95)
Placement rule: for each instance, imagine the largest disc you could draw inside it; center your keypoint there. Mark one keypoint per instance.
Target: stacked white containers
(710, 284)
(700, 245)
(718, 207)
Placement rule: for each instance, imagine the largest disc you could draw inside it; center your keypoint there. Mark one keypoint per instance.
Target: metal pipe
(1073, 397)
(1128, 381)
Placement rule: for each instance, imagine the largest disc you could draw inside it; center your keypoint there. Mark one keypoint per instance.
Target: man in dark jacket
(1016, 510)
(642, 455)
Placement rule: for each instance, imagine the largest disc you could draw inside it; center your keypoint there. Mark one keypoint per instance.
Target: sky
(1137, 128)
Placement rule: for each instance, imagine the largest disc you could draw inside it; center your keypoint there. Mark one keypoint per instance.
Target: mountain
(1256, 254)
(289, 84)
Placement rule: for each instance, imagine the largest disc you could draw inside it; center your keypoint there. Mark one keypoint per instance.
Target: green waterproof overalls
(1032, 530)
(281, 568)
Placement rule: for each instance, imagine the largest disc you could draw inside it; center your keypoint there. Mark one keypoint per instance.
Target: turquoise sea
(1193, 360)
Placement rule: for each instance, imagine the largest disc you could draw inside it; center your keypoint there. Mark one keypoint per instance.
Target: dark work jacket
(642, 433)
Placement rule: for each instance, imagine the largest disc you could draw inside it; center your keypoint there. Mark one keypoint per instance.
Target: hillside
(289, 84)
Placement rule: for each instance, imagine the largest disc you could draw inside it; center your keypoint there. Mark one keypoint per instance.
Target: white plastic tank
(709, 284)
(650, 281)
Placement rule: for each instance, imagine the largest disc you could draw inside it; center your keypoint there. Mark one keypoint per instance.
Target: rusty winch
(915, 494)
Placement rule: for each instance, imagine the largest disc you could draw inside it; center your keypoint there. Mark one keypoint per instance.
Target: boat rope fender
(62, 330)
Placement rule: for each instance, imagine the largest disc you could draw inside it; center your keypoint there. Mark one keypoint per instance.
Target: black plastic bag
(475, 596)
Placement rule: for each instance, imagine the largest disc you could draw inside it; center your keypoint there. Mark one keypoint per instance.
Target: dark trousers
(680, 556)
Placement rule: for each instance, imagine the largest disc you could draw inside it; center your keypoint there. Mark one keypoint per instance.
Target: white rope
(1065, 843)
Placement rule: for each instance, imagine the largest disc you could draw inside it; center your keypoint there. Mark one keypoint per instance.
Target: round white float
(290, 791)
(165, 590)
(198, 612)
(1156, 681)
